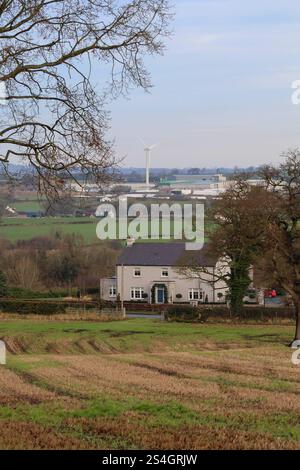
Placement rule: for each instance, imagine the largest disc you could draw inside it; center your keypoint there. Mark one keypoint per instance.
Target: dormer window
(165, 272)
(137, 272)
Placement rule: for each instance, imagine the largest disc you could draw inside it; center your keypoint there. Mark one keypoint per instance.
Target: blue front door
(160, 295)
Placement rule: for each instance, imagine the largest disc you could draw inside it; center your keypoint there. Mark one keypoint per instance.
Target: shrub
(36, 308)
(204, 313)
(183, 313)
(3, 286)
(262, 313)
(106, 303)
(82, 305)
(20, 293)
(92, 291)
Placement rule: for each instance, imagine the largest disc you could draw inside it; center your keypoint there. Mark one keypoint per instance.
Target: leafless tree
(54, 117)
(283, 241)
(21, 269)
(237, 225)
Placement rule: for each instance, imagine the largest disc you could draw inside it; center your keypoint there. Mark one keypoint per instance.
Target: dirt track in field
(240, 398)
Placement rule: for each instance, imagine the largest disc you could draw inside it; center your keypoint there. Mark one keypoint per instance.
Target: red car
(270, 293)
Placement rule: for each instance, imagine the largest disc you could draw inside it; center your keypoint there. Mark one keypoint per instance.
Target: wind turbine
(148, 149)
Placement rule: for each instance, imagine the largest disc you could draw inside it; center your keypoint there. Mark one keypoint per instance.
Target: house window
(195, 294)
(164, 272)
(137, 272)
(136, 293)
(112, 291)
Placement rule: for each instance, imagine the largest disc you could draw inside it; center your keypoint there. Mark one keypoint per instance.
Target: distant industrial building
(195, 185)
(202, 179)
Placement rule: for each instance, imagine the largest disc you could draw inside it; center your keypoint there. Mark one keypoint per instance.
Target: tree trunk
(297, 308)
(237, 290)
(236, 303)
(238, 284)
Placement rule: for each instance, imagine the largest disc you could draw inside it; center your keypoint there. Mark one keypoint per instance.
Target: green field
(144, 384)
(14, 229)
(28, 205)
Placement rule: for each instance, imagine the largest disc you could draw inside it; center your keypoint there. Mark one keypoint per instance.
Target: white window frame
(136, 293)
(164, 270)
(112, 291)
(135, 270)
(199, 292)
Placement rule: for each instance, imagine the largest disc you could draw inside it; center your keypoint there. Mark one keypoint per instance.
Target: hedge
(83, 305)
(93, 291)
(184, 313)
(265, 313)
(204, 313)
(19, 293)
(35, 308)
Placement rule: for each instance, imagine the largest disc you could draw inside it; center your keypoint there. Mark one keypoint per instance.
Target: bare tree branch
(54, 118)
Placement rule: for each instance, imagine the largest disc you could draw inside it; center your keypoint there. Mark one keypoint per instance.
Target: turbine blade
(153, 146)
(141, 140)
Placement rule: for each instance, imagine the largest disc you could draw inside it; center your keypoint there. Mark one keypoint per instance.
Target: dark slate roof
(163, 254)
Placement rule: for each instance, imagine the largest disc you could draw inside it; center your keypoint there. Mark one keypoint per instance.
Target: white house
(150, 272)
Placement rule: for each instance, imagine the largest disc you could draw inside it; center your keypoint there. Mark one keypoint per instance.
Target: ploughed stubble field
(144, 384)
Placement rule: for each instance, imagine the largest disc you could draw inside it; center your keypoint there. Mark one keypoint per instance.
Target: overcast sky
(222, 91)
